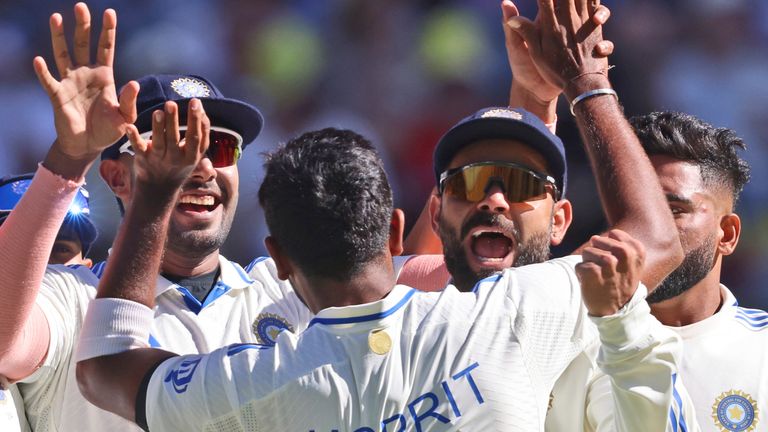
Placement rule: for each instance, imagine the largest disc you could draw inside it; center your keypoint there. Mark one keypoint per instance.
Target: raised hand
(565, 43)
(610, 271)
(527, 78)
(87, 114)
(165, 160)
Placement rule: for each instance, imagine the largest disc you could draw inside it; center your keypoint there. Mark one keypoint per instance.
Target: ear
(396, 229)
(282, 262)
(434, 211)
(88, 262)
(562, 216)
(117, 176)
(730, 226)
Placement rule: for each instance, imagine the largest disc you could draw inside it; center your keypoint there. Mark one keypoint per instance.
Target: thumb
(526, 30)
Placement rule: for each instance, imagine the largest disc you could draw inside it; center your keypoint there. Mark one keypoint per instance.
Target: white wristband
(589, 94)
(112, 326)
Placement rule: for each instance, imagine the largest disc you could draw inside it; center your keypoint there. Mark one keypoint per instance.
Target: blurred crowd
(402, 72)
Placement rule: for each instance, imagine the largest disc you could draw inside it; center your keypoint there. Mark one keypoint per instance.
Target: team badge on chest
(735, 411)
(267, 326)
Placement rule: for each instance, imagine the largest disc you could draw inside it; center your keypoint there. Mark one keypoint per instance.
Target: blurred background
(402, 72)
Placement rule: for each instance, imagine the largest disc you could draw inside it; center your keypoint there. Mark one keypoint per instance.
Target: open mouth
(490, 245)
(197, 203)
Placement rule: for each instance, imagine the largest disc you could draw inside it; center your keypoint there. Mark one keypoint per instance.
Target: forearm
(134, 264)
(626, 181)
(26, 240)
(637, 388)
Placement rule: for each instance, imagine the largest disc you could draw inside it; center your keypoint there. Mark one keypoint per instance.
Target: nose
(495, 201)
(204, 171)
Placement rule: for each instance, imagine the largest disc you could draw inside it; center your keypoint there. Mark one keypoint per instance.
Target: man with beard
(203, 300)
(725, 345)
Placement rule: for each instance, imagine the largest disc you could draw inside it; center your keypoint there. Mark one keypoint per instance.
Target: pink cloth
(26, 240)
(425, 273)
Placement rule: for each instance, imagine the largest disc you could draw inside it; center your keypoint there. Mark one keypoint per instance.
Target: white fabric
(480, 361)
(12, 418)
(113, 325)
(230, 314)
(725, 367)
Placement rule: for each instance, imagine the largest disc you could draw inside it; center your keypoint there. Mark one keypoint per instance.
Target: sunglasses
(519, 183)
(224, 149)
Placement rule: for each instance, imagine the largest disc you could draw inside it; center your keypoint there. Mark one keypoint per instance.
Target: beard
(198, 243)
(695, 267)
(534, 250)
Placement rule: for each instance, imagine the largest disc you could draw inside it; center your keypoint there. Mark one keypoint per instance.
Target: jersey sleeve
(63, 299)
(192, 391)
(279, 297)
(636, 386)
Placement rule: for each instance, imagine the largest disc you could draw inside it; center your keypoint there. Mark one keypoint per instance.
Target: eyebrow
(671, 197)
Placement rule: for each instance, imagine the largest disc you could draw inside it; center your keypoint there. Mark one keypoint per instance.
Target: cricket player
(377, 356)
(204, 301)
(702, 175)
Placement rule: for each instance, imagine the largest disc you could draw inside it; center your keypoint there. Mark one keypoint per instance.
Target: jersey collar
(232, 277)
(348, 316)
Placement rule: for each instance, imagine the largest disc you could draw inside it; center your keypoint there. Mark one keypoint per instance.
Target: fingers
(59, 43)
(198, 131)
(604, 48)
(547, 13)
(47, 80)
(82, 44)
(128, 95)
(105, 53)
(601, 15)
(139, 144)
(527, 31)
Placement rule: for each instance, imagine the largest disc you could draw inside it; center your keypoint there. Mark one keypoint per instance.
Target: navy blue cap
(504, 123)
(156, 90)
(77, 219)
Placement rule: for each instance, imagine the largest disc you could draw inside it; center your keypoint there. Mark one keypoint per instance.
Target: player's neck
(696, 304)
(372, 284)
(181, 265)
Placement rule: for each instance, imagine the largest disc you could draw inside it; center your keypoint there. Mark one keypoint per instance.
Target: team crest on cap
(190, 87)
(735, 411)
(505, 113)
(267, 326)
(19, 187)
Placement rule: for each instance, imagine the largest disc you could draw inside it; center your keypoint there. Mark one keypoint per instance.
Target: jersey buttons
(379, 341)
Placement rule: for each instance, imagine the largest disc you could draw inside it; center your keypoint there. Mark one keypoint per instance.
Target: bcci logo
(735, 411)
(190, 87)
(267, 326)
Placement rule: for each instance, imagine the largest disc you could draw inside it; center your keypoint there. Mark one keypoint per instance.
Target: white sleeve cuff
(627, 326)
(112, 326)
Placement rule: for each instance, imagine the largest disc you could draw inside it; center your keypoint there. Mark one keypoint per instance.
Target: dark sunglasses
(224, 149)
(519, 183)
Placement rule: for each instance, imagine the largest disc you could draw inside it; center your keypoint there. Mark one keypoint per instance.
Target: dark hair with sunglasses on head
(234, 124)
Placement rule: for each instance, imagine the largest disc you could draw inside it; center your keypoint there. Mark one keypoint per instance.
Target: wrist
(543, 108)
(66, 165)
(585, 83)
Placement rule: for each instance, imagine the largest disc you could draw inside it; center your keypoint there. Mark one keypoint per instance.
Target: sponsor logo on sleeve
(181, 376)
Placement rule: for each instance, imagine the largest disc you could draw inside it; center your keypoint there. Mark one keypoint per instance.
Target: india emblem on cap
(19, 187)
(506, 113)
(190, 87)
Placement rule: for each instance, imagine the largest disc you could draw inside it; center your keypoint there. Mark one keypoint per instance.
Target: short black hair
(327, 202)
(685, 137)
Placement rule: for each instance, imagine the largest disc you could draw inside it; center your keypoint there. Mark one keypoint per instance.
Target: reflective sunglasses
(224, 149)
(519, 183)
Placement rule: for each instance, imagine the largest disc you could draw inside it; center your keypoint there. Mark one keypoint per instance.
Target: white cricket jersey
(12, 418)
(238, 309)
(479, 361)
(725, 367)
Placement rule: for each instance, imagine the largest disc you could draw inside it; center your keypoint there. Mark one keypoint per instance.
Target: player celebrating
(445, 358)
(702, 176)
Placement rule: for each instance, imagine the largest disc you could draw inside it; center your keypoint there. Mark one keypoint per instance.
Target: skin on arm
(88, 117)
(629, 189)
(161, 166)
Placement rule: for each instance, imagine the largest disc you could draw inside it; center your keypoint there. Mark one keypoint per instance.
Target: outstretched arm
(562, 43)
(88, 118)
(160, 168)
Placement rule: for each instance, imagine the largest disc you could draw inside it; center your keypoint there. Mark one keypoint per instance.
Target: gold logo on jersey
(379, 342)
(735, 410)
(267, 326)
